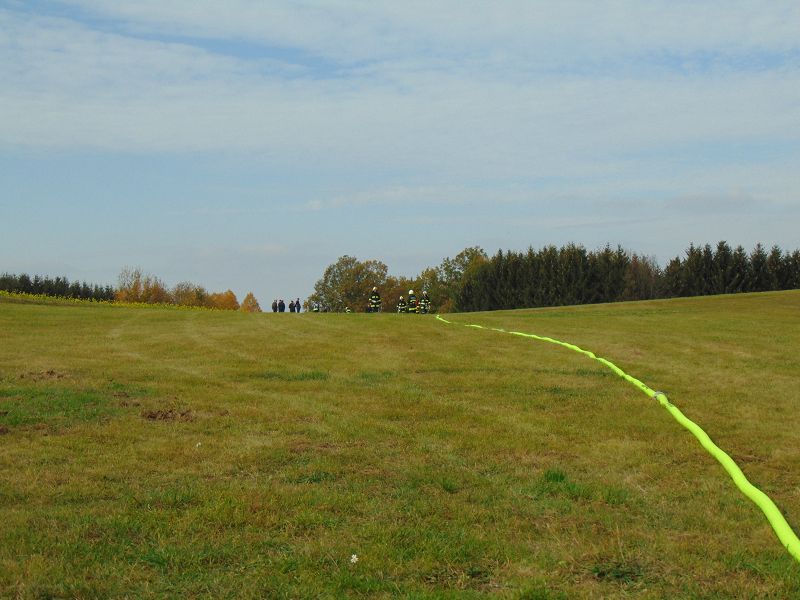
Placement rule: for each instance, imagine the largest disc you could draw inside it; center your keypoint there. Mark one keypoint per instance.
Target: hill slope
(154, 452)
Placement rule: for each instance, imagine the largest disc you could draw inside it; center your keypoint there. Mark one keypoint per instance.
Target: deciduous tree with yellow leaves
(250, 304)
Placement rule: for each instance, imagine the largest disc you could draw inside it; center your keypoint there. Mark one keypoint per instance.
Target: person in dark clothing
(424, 304)
(401, 305)
(297, 305)
(275, 305)
(374, 303)
(412, 302)
(281, 305)
(291, 306)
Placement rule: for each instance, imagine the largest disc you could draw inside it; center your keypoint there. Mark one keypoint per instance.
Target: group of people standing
(280, 306)
(414, 306)
(411, 305)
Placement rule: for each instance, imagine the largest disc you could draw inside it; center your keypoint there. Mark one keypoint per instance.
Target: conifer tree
(778, 269)
(722, 269)
(740, 272)
(760, 277)
(793, 278)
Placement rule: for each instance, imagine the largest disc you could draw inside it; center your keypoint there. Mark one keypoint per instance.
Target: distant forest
(572, 275)
(474, 281)
(133, 286)
(57, 286)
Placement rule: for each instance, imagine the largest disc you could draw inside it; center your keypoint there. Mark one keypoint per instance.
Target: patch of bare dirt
(4, 430)
(48, 375)
(170, 414)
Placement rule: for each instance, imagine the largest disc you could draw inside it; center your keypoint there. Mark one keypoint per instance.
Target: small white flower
(354, 559)
(197, 445)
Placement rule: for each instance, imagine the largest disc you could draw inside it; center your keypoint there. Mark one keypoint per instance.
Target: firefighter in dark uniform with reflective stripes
(374, 304)
(401, 305)
(412, 302)
(424, 304)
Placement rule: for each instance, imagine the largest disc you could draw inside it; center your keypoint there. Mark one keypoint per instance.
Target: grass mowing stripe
(779, 525)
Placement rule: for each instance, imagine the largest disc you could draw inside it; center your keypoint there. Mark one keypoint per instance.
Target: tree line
(558, 276)
(55, 286)
(573, 275)
(472, 280)
(134, 286)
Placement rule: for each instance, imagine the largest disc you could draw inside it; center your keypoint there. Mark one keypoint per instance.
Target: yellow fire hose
(782, 529)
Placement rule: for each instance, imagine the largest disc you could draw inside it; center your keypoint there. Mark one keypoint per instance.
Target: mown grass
(163, 453)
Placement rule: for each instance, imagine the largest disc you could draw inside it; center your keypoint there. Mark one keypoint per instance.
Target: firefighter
(412, 302)
(401, 305)
(424, 304)
(374, 301)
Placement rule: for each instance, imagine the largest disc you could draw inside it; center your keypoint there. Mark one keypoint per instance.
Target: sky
(248, 144)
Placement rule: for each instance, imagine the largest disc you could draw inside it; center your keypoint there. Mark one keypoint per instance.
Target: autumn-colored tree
(129, 285)
(394, 288)
(134, 286)
(250, 304)
(154, 291)
(186, 293)
(224, 301)
(347, 283)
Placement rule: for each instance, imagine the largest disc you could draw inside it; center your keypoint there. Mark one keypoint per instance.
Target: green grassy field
(193, 454)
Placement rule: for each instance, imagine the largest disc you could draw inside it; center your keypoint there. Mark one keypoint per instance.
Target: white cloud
(67, 84)
(583, 94)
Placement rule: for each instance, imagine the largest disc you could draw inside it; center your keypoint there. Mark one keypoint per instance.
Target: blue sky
(248, 144)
